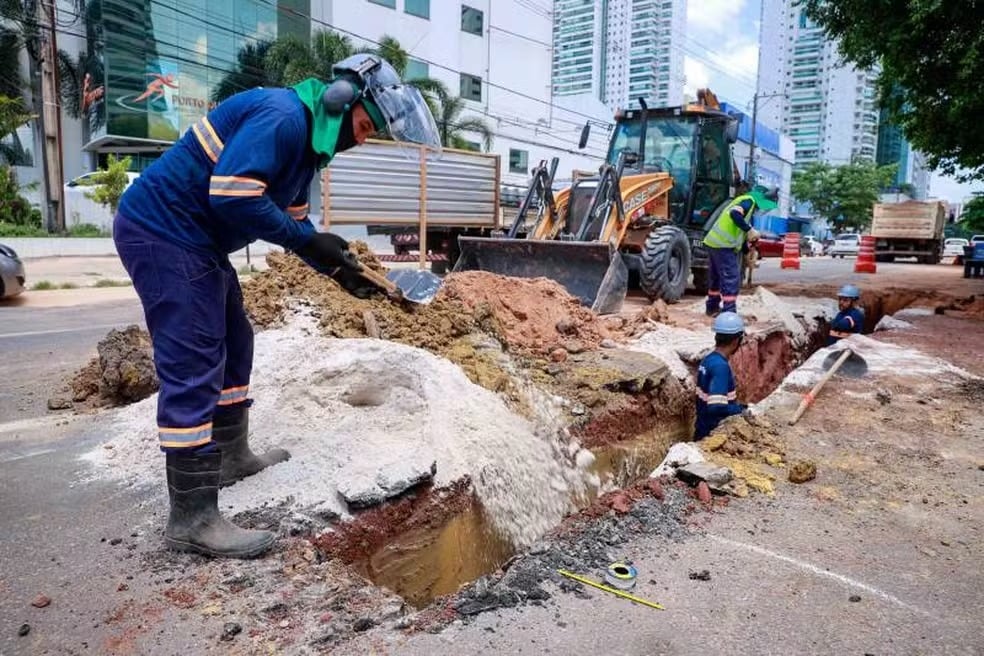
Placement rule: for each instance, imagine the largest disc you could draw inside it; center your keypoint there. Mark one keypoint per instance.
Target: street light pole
(751, 152)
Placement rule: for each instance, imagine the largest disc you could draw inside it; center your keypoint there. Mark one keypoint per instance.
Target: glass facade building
(162, 61)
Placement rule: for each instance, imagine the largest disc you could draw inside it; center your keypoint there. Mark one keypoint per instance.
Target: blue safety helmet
(729, 323)
(849, 291)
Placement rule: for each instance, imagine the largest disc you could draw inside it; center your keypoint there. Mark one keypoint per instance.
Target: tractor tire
(665, 264)
(700, 280)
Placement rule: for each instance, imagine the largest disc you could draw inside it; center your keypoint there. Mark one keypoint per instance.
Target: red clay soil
(880, 301)
(355, 540)
(535, 315)
(627, 416)
(950, 337)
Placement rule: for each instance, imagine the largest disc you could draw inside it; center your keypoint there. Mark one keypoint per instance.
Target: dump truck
(639, 220)
(909, 229)
(423, 202)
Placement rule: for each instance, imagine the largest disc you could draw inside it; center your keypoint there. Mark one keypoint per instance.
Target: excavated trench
(430, 543)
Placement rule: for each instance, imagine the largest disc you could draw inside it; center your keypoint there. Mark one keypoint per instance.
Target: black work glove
(326, 253)
(353, 283)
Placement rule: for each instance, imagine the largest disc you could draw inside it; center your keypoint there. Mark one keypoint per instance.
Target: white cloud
(712, 17)
(949, 189)
(696, 74)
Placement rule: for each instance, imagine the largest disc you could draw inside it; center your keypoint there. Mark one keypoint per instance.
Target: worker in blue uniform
(716, 390)
(850, 318)
(239, 174)
(725, 239)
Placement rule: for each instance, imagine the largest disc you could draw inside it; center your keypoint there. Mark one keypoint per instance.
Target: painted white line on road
(34, 422)
(819, 571)
(62, 330)
(40, 452)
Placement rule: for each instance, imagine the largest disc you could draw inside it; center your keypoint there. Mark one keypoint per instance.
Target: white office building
(827, 108)
(619, 50)
(495, 55)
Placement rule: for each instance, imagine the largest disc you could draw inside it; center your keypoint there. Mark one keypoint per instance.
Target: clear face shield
(408, 118)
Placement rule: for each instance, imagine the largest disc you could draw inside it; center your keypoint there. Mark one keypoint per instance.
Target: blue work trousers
(723, 280)
(203, 341)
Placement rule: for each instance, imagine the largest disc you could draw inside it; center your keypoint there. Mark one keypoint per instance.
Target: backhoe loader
(641, 219)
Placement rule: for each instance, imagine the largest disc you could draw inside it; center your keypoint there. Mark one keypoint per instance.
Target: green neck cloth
(326, 127)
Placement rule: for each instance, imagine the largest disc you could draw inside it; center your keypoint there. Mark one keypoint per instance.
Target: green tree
(14, 208)
(447, 110)
(13, 114)
(972, 218)
(843, 195)
(931, 54)
(109, 182)
(250, 72)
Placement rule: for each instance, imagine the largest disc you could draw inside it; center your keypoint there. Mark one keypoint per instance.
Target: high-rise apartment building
(828, 108)
(617, 50)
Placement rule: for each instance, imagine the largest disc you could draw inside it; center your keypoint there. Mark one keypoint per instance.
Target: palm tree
(251, 71)
(289, 60)
(447, 110)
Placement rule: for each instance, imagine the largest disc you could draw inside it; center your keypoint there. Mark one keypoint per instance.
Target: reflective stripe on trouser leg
(184, 299)
(239, 350)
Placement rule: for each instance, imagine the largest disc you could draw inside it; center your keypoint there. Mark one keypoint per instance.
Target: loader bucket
(594, 272)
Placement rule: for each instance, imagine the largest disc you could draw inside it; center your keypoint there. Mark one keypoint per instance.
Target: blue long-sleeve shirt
(846, 323)
(716, 394)
(240, 174)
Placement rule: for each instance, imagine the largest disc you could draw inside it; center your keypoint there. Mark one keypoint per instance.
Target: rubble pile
(750, 446)
(122, 373)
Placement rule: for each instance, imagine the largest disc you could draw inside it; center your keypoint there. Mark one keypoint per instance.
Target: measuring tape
(602, 586)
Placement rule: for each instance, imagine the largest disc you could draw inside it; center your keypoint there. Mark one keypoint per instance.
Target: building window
(471, 20)
(386, 3)
(420, 8)
(417, 70)
(471, 87)
(519, 161)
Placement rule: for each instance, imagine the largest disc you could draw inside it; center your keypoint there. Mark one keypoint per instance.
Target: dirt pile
(751, 448)
(536, 315)
(122, 373)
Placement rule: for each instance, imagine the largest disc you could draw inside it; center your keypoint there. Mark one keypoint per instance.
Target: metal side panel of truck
(909, 229)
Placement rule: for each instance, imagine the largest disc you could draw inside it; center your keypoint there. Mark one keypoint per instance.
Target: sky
(721, 52)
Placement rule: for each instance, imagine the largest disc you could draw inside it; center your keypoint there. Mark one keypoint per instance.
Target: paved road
(41, 347)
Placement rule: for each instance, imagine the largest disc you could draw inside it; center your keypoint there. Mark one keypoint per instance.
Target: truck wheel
(665, 264)
(700, 280)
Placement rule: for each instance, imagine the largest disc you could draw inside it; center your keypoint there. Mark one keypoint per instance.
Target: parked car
(810, 246)
(846, 243)
(954, 247)
(81, 209)
(12, 278)
(770, 244)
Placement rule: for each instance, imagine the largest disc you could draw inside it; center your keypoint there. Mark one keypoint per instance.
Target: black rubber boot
(195, 524)
(230, 427)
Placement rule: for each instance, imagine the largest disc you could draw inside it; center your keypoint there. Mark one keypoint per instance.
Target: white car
(79, 208)
(811, 246)
(846, 243)
(953, 247)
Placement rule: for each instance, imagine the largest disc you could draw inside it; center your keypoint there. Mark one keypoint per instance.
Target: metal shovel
(854, 366)
(410, 285)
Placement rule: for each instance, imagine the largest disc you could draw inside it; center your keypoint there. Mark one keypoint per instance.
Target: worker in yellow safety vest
(725, 240)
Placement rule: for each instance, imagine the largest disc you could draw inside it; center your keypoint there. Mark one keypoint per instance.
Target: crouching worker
(240, 174)
(850, 318)
(716, 394)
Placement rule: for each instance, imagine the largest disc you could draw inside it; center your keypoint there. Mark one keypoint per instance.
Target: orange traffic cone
(866, 256)
(791, 251)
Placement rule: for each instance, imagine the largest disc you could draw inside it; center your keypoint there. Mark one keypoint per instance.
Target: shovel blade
(415, 285)
(854, 367)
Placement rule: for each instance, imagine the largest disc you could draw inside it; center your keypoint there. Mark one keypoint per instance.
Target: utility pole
(51, 118)
(751, 150)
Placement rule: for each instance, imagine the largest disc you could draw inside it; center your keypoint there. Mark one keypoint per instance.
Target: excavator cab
(641, 218)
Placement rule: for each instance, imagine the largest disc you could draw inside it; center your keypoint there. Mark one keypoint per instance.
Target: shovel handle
(809, 397)
(379, 280)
